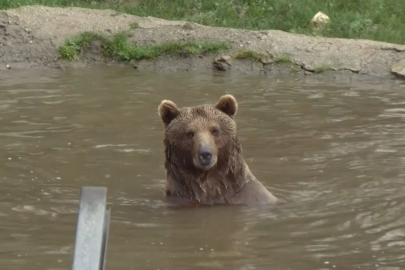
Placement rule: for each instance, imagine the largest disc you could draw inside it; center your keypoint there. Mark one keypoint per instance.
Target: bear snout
(206, 157)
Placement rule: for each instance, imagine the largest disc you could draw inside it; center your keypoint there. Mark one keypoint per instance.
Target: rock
(399, 68)
(266, 60)
(319, 19)
(188, 26)
(222, 63)
(224, 58)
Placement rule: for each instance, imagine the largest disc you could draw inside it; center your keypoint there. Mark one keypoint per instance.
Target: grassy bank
(381, 20)
(118, 47)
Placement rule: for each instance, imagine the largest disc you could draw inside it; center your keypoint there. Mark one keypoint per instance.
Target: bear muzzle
(206, 158)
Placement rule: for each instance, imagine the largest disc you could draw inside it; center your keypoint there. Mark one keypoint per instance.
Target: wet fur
(230, 181)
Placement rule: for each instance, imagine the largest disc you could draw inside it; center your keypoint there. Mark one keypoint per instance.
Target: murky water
(334, 152)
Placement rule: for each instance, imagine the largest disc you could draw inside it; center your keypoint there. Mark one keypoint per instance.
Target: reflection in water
(332, 151)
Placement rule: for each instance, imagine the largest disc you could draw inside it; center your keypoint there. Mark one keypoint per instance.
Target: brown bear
(204, 162)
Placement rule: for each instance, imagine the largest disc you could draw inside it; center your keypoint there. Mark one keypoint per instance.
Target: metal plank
(105, 239)
(88, 251)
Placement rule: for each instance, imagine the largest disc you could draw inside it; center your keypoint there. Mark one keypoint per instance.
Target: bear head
(200, 138)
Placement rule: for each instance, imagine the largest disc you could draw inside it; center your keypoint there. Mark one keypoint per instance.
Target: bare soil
(30, 37)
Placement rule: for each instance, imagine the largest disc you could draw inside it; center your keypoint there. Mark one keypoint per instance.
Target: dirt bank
(30, 36)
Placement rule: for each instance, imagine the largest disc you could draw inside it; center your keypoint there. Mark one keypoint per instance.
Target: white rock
(319, 19)
(399, 68)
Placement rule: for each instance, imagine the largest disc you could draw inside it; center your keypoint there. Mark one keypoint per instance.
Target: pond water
(333, 151)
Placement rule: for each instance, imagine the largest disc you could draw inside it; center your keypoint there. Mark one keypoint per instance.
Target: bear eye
(190, 134)
(215, 132)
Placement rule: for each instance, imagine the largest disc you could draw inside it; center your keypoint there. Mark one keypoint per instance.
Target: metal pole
(105, 239)
(92, 230)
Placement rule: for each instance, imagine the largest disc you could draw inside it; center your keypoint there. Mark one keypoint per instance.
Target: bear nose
(205, 157)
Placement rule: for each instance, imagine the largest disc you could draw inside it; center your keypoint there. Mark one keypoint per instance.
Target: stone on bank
(399, 68)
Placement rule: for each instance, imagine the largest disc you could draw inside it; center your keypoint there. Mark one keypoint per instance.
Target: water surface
(333, 151)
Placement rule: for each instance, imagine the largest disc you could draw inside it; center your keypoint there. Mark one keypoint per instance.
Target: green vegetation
(322, 69)
(282, 59)
(248, 54)
(381, 20)
(71, 49)
(121, 49)
(134, 25)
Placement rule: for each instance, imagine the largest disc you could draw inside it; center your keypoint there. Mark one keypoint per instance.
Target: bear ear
(227, 104)
(168, 111)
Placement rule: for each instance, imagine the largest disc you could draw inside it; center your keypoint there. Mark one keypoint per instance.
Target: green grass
(72, 48)
(381, 20)
(134, 25)
(322, 69)
(248, 54)
(282, 59)
(120, 48)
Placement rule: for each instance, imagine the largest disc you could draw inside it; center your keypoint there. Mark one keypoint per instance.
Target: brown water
(333, 151)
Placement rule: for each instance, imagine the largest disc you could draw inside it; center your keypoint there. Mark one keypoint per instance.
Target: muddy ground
(30, 36)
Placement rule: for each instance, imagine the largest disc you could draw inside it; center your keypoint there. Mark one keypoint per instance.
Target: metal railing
(92, 230)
